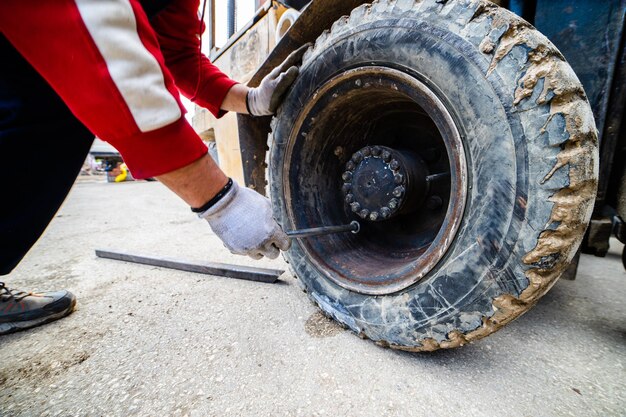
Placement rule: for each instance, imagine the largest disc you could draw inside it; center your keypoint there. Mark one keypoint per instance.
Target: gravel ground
(149, 341)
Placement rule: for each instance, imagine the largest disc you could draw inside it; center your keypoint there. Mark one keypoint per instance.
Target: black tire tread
(573, 204)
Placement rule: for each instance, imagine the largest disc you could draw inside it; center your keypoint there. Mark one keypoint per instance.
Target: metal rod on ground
(210, 268)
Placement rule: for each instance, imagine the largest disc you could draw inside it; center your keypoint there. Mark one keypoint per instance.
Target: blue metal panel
(588, 33)
(517, 7)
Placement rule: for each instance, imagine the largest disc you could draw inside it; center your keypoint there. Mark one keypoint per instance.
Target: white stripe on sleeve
(134, 70)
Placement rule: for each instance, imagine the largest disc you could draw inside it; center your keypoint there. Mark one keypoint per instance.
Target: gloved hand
(243, 220)
(265, 99)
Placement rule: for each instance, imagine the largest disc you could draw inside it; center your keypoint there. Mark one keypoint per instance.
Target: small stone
(398, 191)
(398, 178)
(376, 150)
(349, 198)
(346, 187)
(367, 151)
(385, 212)
(350, 166)
(355, 207)
(393, 204)
(364, 213)
(357, 157)
(347, 176)
(394, 164)
(374, 216)
(386, 155)
(487, 46)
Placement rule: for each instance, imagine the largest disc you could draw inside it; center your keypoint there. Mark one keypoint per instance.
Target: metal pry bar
(210, 268)
(353, 227)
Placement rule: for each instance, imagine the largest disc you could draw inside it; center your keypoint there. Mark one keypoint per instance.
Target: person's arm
(179, 29)
(239, 216)
(103, 59)
(235, 99)
(191, 183)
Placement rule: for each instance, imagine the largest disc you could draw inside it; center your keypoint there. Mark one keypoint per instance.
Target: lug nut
(355, 207)
(385, 212)
(398, 179)
(374, 216)
(357, 157)
(393, 204)
(434, 202)
(350, 166)
(394, 164)
(347, 176)
(349, 198)
(376, 150)
(398, 191)
(364, 213)
(367, 151)
(346, 187)
(386, 156)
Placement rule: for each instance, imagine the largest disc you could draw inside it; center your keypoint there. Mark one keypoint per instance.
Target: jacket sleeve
(103, 59)
(179, 31)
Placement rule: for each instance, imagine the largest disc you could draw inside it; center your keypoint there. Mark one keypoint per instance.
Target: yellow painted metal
(239, 61)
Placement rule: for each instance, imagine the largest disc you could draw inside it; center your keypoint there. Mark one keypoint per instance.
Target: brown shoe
(21, 310)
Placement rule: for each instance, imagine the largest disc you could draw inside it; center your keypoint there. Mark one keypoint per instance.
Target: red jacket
(121, 74)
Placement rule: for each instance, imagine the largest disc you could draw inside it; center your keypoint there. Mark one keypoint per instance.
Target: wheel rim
(364, 147)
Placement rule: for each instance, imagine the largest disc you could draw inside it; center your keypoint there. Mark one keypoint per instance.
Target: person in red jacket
(72, 69)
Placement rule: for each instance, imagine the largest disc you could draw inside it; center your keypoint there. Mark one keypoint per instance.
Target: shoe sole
(6, 328)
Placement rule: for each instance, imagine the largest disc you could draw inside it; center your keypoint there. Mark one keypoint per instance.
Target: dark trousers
(42, 148)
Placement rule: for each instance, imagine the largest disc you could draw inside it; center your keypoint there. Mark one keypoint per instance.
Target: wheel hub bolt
(398, 191)
(434, 202)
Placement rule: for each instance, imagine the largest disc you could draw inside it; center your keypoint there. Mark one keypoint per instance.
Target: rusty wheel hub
(381, 183)
(376, 144)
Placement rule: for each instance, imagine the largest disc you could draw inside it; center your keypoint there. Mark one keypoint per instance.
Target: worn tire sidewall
(485, 259)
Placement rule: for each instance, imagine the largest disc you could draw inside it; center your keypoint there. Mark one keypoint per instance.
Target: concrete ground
(148, 341)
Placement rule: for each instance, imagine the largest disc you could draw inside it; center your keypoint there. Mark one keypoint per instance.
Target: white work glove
(265, 99)
(243, 220)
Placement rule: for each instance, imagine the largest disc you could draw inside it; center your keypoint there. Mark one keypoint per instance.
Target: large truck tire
(463, 143)
(621, 210)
